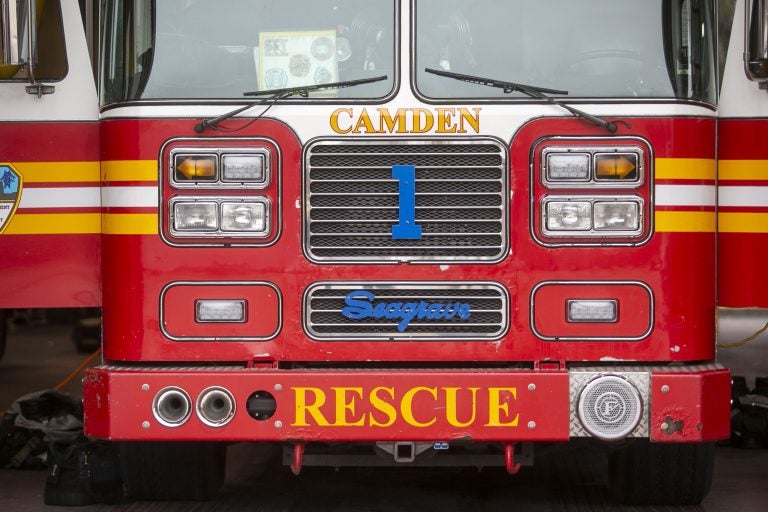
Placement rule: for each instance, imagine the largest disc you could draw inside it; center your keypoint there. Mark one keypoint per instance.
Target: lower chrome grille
(405, 311)
(352, 202)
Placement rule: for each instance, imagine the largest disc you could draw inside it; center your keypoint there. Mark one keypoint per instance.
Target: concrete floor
(570, 479)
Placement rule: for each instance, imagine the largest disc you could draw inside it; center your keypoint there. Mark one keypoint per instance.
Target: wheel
(647, 473)
(172, 471)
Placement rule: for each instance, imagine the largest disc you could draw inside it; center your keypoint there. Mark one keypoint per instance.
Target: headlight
(244, 217)
(244, 168)
(617, 216)
(569, 216)
(604, 216)
(221, 217)
(567, 167)
(195, 216)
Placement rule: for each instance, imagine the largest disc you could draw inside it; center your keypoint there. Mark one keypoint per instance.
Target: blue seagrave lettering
(360, 305)
(357, 307)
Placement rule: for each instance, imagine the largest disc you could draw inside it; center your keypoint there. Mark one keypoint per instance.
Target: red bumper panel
(341, 405)
(692, 406)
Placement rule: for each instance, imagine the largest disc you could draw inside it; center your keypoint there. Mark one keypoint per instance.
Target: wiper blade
(507, 87)
(529, 90)
(274, 95)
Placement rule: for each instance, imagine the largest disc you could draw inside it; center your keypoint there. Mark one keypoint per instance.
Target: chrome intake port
(215, 406)
(172, 406)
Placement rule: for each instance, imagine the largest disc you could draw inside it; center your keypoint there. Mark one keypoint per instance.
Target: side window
(48, 46)
(725, 20)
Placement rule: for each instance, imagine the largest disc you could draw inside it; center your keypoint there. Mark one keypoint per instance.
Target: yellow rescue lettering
(406, 120)
(364, 123)
(335, 126)
(451, 407)
(382, 406)
(498, 401)
(470, 118)
(392, 124)
(345, 403)
(302, 407)
(423, 120)
(406, 406)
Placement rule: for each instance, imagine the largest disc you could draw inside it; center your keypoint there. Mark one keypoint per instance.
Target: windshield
(590, 48)
(219, 49)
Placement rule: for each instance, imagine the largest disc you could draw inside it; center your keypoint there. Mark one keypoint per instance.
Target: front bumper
(679, 404)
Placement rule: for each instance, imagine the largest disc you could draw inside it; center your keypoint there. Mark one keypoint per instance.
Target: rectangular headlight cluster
(581, 167)
(231, 168)
(220, 217)
(592, 216)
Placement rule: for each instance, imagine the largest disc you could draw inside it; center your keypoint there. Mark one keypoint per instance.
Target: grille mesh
(323, 305)
(460, 200)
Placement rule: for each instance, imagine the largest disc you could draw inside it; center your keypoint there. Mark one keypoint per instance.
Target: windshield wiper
(529, 90)
(274, 95)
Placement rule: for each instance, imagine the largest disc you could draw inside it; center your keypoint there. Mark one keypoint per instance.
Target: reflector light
(244, 168)
(568, 167)
(195, 167)
(195, 216)
(592, 311)
(617, 216)
(568, 216)
(616, 166)
(220, 311)
(244, 217)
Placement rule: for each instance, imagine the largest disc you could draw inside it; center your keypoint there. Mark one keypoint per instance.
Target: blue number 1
(406, 228)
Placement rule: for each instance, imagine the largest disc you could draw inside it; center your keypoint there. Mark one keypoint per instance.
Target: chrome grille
(488, 303)
(351, 200)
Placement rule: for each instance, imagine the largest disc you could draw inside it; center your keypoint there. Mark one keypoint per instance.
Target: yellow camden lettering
(418, 407)
(406, 120)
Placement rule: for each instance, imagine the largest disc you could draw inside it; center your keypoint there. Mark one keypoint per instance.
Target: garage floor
(568, 479)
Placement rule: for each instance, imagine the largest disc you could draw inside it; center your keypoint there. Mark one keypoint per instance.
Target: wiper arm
(274, 95)
(529, 90)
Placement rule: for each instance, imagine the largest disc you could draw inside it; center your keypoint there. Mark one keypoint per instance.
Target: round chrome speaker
(610, 407)
(172, 406)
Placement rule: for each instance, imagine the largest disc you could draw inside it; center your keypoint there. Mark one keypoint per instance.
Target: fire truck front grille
(380, 311)
(351, 201)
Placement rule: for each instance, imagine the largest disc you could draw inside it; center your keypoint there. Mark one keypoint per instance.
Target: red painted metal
(741, 278)
(349, 405)
(690, 407)
(677, 267)
(46, 269)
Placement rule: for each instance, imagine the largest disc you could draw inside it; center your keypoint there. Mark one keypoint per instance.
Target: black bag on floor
(83, 473)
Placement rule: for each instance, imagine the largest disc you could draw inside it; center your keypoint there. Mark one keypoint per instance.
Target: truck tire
(172, 471)
(646, 473)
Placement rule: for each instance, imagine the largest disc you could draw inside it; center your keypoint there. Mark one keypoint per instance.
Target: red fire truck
(394, 232)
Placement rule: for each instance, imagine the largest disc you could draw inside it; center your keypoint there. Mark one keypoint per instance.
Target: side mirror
(10, 44)
(756, 41)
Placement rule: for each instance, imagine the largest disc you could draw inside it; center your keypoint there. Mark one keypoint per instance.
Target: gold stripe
(737, 222)
(130, 224)
(685, 169)
(54, 224)
(679, 222)
(129, 170)
(57, 172)
(743, 169)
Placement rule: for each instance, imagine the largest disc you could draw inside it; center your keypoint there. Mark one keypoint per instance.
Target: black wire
(274, 100)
